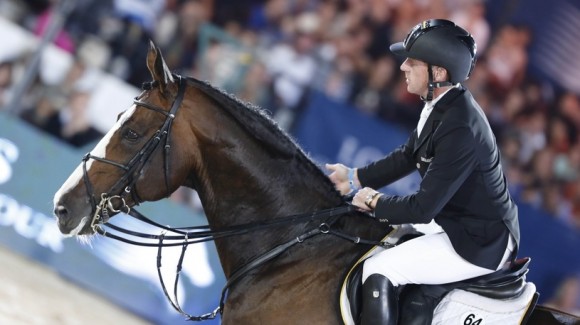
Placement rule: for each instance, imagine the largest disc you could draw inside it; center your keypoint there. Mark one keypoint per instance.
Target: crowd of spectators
(283, 50)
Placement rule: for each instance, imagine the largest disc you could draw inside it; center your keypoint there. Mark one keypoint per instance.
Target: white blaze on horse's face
(77, 176)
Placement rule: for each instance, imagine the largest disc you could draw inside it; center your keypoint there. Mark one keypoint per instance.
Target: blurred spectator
(69, 123)
(373, 97)
(536, 95)
(567, 297)
(471, 16)
(129, 45)
(292, 67)
(539, 168)
(143, 13)
(266, 18)
(76, 127)
(558, 139)
(63, 38)
(532, 126)
(378, 20)
(554, 203)
(252, 89)
(13, 10)
(62, 110)
(180, 49)
(45, 114)
(6, 80)
(508, 58)
(538, 174)
(88, 17)
(569, 107)
(128, 32)
(567, 164)
(572, 194)
(405, 15)
(510, 147)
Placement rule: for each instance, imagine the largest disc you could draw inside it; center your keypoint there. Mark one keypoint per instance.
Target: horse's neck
(240, 182)
(241, 196)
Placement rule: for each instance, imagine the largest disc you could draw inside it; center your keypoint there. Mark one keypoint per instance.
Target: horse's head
(133, 162)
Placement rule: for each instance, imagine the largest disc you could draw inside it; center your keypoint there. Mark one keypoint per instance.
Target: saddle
(417, 303)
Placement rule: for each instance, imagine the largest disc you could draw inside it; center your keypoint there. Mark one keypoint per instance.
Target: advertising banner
(32, 168)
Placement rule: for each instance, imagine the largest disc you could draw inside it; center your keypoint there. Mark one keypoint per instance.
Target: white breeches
(429, 259)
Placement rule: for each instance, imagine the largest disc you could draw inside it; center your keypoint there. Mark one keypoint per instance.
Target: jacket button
(418, 165)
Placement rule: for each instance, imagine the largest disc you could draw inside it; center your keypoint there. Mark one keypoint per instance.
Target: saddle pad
(463, 307)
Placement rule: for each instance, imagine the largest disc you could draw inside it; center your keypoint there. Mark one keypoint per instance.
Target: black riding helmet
(442, 43)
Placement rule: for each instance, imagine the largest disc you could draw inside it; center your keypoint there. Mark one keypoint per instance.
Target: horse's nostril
(60, 211)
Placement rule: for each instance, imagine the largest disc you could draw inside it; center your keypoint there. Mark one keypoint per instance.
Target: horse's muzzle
(68, 224)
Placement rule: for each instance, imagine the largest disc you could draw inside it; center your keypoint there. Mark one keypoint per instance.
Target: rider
(463, 188)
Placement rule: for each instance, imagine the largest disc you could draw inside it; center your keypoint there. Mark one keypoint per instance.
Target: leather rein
(184, 236)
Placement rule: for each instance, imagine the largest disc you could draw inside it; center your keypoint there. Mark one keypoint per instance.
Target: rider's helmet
(442, 43)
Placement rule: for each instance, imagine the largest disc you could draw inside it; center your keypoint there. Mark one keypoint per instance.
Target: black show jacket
(463, 186)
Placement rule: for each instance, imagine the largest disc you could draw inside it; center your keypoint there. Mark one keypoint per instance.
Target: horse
(246, 170)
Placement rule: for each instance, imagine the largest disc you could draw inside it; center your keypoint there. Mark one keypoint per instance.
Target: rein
(197, 234)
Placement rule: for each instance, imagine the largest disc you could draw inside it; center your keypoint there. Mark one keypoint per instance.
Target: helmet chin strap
(431, 85)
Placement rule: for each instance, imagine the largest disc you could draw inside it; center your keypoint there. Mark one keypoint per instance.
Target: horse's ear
(157, 67)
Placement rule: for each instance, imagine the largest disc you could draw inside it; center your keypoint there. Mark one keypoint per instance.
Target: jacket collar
(436, 115)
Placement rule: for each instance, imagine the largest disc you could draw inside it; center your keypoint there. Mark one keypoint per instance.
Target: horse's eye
(131, 135)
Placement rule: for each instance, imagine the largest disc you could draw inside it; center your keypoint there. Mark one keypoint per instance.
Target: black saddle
(417, 302)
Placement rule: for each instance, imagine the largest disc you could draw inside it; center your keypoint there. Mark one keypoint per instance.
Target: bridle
(133, 169)
(183, 236)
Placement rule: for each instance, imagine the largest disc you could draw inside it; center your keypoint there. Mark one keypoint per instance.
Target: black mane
(257, 122)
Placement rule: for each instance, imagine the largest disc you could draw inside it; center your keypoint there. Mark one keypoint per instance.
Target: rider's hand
(366, 199)
(340, 178)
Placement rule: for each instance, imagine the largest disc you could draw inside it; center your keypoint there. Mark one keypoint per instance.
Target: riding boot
(379, 301)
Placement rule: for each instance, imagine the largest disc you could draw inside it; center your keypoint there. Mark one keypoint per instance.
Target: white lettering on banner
(8, 155)
(30, 224)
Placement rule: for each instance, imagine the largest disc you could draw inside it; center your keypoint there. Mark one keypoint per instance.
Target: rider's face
(416, 76)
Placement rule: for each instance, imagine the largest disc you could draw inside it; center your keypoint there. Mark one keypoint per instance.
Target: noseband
(133, 169)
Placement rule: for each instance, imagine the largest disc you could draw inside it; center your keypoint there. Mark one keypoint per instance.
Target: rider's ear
(158, 68)
(440, 74)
